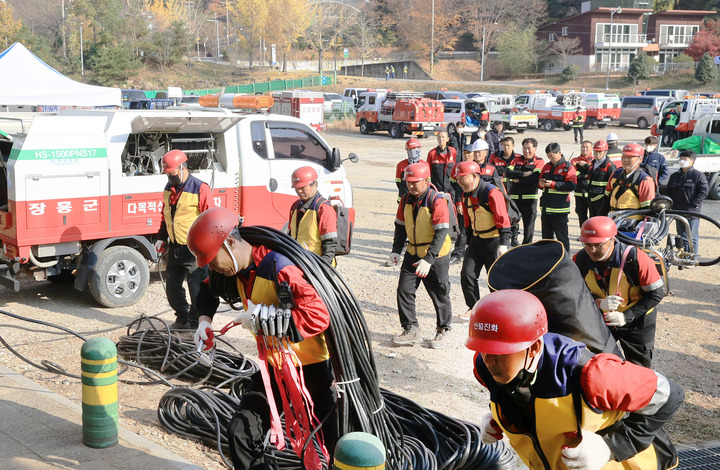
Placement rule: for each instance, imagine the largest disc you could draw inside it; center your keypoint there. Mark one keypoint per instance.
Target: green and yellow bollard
(359, 451)
(99, 393)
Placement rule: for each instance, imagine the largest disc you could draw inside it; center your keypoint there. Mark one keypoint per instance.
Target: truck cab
(81, 191)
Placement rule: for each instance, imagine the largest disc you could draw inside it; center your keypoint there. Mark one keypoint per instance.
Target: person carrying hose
(560, 405)
(271, 288)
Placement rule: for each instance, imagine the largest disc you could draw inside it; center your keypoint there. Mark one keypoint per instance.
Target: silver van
(638, 110)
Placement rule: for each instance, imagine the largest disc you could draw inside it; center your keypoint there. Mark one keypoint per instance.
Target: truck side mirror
(334, 159)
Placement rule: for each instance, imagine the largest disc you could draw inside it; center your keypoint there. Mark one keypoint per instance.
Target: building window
(677, 34)
(552, 37)
(565, 31)
(621, 33)
(551, 65)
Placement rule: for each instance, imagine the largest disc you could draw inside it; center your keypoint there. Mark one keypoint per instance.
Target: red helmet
(173, 159)
(505, 322)
(466, 168)
(633, 150)
(208, 232)
(412, 143)
(600, 146)
(303, 176)
(416, 172)
(598, 229)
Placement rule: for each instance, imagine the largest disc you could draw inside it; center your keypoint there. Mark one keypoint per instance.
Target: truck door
(293, 145)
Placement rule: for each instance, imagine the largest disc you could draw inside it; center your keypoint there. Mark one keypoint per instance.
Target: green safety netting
(697, 144)
(262, 87)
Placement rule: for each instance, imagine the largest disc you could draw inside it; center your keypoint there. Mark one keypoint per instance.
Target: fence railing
(622, 38)
(262, 87)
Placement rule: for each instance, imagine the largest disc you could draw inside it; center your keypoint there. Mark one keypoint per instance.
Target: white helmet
(612, 137)
(478, 145)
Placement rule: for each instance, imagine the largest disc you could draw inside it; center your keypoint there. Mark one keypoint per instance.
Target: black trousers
(251, 422)
(599, 207)
(461, 240)
(437, 285)
(181, 266)
(480, 252)
(528, 211)
(582, 207)
(638, 339)
(578, 130)
(556, 226)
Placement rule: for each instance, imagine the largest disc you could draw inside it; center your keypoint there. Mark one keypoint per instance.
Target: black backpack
(452, 212)
(345, 223)
(510, 205)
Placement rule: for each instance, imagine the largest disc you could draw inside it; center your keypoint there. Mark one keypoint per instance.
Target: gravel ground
(688, 330)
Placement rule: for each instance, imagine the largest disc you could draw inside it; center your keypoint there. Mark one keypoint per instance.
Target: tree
(706, 71)
(569, 73)
(519, 51)
(365, 37)
(113, 65)
(168, 45)
(290, 19)
(641, 68)
(564, 47)
(706, 40)
(329, 21)
(252, 17)
(9, 26)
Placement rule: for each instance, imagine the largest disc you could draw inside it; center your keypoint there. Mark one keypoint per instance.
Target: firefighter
(241, 272)
(441, 160)
(312, 221)
(185, 198)
(630, 187)
(523, 174)
(599, 173)
(501, 160)
(423, 221)
(582, 165)
(479, 150)
(626, 286)
(457, 139)
(557, 180)
(487, 226)
(560, 405)
(688, 188)
(669, 134)
(458, 252)
(494, 137)
(654, 158)
(614, 153)
(412, 147)
(577, 124)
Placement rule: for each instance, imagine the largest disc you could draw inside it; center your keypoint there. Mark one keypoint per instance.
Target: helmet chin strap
(232, 256)
(610, 246)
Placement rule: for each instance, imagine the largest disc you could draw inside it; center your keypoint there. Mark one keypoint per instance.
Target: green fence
(262, 87)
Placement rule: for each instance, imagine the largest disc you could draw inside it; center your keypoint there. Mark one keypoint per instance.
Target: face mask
(649, 148)
(174, 180)
(684, 163)
(413, 156)
(235, 264)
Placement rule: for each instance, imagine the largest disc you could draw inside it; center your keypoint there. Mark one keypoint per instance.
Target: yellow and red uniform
(485, 213)
(421, 218)
(399, 171)
(624, 403)
(182, 206)
(633, 191)
(313, 224)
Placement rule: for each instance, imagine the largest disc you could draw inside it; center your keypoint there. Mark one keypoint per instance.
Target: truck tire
(451, 128)
(601, 125)
(120, 277)
(364, 127)
(715, 189)
(394, 130)
(567, 127)
(520, 130)
(548, 125)
(642, 123)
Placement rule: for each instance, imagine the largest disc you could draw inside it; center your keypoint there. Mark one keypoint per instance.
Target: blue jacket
(657, 160)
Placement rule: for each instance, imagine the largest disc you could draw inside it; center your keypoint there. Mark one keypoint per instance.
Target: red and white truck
(601, 108)
(689, 110)
(399, 113)
(308, 106)
(550, 112)
(81, 191)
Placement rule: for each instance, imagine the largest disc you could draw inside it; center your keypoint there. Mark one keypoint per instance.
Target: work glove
(491, 432)
(423, 268)
(611, 302)
(245, 317)
(204, 338)
(393, 260)
(591, 454)
(614, 318)
(501, 250)
(160, 246)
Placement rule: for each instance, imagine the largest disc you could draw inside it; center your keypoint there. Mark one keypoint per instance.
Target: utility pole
(482, 57)
(432, 40)
(82, 60)
(617, 10)
(62, 14)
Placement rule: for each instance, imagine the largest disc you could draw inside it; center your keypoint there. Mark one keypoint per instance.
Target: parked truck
(501, 108)
(550, 112)
(689, 110)
(398, 113)
(707, 128)
(601, 108)
(81, 191)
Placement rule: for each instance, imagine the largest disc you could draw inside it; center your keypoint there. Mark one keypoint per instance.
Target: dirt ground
(688, 331)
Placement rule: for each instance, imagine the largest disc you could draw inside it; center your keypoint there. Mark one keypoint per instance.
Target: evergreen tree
(706, 70)
(641, 68)
(569, 73)
(113, 65)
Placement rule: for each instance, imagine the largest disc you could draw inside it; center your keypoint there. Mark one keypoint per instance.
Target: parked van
(445, 95)
(640, 110)
(676, 94)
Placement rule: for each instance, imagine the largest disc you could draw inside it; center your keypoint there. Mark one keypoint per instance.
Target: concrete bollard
(359, 451)
(99, 393)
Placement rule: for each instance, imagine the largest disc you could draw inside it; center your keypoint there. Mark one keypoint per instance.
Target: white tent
(27, 80)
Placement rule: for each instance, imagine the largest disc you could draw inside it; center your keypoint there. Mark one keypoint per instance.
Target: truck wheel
(364, 127)
(642, 123)
(715, 189)
(520, 131)
(120, 277)
(567, 127)
(395, 130)
(548, 125)
(451, 128)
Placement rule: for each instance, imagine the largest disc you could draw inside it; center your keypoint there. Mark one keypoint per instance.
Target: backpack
(454, 230)
(643, 169)
(512, 209)
(345, 223)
